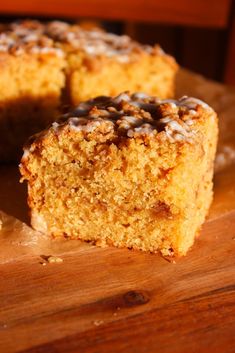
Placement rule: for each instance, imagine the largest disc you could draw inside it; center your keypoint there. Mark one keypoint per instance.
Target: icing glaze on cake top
(36, 37)
(96, 41)
(27, 37)
(132, 116)
(138, 114)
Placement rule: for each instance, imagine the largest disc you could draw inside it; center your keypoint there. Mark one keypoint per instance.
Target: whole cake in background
(44, 66)
(131, 171)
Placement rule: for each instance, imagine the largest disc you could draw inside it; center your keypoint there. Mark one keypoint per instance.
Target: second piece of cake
(44, 66)
(130, 171)
(101, 63)
(32, 78)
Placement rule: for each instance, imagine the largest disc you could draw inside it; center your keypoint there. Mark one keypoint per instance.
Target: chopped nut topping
(131, 116)
(38, 38)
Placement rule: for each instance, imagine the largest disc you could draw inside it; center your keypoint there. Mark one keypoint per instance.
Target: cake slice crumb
(51, 259)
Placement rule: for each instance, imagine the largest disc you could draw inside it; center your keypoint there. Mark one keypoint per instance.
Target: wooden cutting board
(112, 300)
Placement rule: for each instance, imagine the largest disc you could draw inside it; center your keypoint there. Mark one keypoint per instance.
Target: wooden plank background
(101, 300)
(207, 13)
(200, 34)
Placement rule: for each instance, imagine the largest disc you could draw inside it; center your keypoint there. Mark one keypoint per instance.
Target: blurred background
(200, 34)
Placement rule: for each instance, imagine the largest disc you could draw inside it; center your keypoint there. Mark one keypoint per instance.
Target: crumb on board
(54, 259)
(51, 260)
(98, 322)
(116, 312)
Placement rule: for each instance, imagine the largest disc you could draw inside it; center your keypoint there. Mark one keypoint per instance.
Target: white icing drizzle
(140, 95)
(130, 119)
(33, 43)
(121, 97)
(175, 128)
(97, 42)
(133, 115)
(26, 153)
(55, 125)
(178, 131)
(35, 37)
(192, 103)
(144, 129)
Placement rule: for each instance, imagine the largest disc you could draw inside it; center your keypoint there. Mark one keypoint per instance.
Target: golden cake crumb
(54, 259)
(51, 260)
(98, 322)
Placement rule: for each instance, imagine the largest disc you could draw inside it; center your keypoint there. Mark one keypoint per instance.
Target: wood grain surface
(101, 300)
(200, 13)
(117, 300)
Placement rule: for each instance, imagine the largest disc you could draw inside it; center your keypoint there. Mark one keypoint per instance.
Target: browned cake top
(131, 116)
(27, 37)
(35, 37)
(97, 42)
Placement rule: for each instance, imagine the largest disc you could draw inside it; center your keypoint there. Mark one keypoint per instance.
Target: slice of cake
(31, 71)
(131, 171)
(101, 63)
